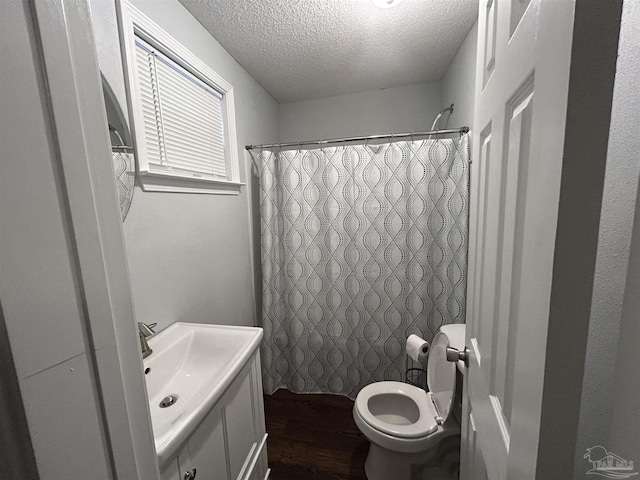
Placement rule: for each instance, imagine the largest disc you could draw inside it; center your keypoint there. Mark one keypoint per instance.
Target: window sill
(171, 183)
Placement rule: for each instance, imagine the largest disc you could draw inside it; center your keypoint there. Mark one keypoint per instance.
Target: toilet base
(383, 464)
(440, 463)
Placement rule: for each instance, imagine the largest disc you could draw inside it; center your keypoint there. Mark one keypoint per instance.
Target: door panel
(171, 471)
(206, 448)
(515, 184)
(518, 7)
(489, 39)
(241, 434)
(506, 322)
(545, 71)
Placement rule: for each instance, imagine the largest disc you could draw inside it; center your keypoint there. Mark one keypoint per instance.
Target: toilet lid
(441, 375)
(398, 409)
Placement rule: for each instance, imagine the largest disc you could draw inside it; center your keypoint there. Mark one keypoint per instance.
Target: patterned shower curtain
(362, 246)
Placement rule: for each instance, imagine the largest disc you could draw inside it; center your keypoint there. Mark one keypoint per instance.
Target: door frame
(72, 95)
(591, 76)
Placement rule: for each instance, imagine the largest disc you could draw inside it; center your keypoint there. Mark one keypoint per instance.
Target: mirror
(124, 165)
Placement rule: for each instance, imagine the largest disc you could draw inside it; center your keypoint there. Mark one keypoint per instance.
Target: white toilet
(404, 423)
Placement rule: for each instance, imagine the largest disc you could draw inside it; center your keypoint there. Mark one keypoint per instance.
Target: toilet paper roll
(417, 347)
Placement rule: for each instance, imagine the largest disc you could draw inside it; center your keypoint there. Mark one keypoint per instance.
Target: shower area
(363, 243)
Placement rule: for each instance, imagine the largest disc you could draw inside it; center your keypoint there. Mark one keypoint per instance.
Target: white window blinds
(183, 117)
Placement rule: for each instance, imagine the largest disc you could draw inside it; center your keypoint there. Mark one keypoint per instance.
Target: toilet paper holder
(415, 374)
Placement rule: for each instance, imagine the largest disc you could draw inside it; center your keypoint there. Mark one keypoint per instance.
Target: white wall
(398, 109)
(625, 425)
(190, 256)
(458, 84)
(625, 428)
(616, 426)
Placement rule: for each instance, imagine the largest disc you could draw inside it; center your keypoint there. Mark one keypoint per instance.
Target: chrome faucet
(145, 331)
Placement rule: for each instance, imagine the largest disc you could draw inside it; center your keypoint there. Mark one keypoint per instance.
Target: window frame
(136, 24)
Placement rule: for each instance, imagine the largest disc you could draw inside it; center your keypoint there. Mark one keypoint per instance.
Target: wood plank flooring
(313, 437)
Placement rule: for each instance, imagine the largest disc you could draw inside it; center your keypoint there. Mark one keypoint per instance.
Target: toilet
(405, 424)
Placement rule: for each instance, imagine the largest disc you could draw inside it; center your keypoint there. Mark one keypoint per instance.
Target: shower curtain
(362, 245)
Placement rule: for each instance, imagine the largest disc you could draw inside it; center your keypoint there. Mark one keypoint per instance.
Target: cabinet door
(230, 443)
(255, 376)
(241, 428)
(171, 472)
(258, 467)
(207, 448)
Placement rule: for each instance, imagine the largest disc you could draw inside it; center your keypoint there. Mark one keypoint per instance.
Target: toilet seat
(441, 374)
(371, 397)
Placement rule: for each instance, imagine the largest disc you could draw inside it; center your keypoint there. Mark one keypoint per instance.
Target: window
(182, 114)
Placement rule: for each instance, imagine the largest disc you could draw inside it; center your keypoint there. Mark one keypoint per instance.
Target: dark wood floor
(313, 437)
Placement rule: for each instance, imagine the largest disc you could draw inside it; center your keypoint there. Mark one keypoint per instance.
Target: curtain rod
(460, 130)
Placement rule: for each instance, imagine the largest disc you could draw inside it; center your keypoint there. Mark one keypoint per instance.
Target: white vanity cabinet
(230, 443)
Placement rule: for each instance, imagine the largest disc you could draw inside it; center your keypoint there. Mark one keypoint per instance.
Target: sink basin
(190, 368)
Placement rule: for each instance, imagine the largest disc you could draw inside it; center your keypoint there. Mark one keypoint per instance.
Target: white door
(522, 86)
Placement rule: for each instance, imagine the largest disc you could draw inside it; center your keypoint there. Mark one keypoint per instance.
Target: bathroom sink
(190, 368)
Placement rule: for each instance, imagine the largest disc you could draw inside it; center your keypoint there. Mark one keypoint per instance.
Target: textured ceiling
(302, 49)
